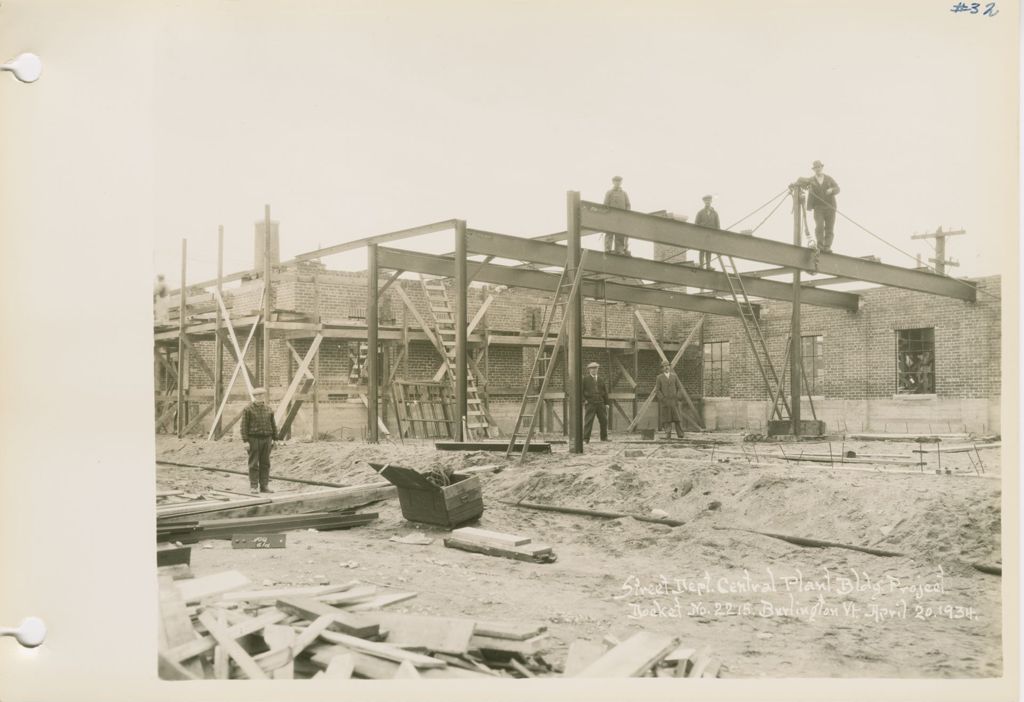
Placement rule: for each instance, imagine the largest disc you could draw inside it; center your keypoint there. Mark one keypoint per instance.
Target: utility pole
(940, 259)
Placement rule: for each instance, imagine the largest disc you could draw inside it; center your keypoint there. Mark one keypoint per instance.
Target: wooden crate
(422, 501)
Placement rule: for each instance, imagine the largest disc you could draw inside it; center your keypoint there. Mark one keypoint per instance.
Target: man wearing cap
(595, 395)
(821, 197)
(668, 390)
(707, 217)
(258, 432)
(616, 197)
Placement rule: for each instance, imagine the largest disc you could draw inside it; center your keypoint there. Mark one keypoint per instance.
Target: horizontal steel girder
(397, 259)
(512, 247)
(600, 218)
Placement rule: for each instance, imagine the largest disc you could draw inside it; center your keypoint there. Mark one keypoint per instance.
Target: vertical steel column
(574, 328)
(266, 299)
(795, 346)
(461, 285)
(372, 372)
(182, 365)
(218, 342)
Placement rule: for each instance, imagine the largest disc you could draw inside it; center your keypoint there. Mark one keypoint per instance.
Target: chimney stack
(275, 249)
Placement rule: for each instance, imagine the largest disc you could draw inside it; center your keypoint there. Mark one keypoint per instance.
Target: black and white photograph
(532, 348)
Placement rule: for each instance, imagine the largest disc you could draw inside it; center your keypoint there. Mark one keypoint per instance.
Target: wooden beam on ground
(248, 666)
(632, 658)
(342, 621)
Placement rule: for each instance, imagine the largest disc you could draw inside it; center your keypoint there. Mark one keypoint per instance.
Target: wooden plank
(200, 646)
(407, 670)
(437, 634)
(700, 663)
(232, 647)
(239, 352)
(282, 406)
(298, 359)
(675, 360)
(362, 593)
(422, 322)
(239, 365)
(632, 658)
(175, 627)
(311, 633)
(380, 422)
(278, 593)
(295, 503)
(509, 630)
(279, 638)
(490, 537)
(172, 670)
(198, 588)
(535, 553)
(527, 647)
(582, 653)
(381, 601)
(382, 650)
(340, 667)
(343, 622)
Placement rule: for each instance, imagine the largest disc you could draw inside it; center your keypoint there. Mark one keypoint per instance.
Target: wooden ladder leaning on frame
(779, 405)
(565, 294)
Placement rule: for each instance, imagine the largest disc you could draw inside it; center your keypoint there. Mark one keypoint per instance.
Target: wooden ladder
(772, 381)
(477, 425)
(544, 364)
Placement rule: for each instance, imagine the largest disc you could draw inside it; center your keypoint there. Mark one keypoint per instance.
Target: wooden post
(461, 369)
(574, 328)
(794, 334)
(266, 299)
(372, 372)
(182, 366)
(218, 342)
(316, 363)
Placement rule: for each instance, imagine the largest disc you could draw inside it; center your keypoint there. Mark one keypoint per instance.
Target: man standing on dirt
(669, 392)
(258, 432)
(595, 395)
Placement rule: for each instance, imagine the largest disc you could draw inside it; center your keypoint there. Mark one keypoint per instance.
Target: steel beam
(511, 247)
(537, 280)
(597, 217)
(574, 327)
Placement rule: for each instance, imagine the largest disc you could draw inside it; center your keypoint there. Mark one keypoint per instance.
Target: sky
(357, 118)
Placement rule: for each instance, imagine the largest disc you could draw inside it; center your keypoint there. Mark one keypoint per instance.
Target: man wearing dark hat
(258, 432)
(595, 395)
(616, 197)
(821, 197)
(668, 390)
(707, 217)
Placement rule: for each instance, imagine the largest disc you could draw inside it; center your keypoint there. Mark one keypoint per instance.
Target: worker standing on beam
(707, 217)
(617, 197)
(595, 394)
(821, 197)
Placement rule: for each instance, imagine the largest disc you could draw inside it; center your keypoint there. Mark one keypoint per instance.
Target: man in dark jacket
(259, 431)
(668, 390)
(595, 395)
(821, 198)
(707, 217)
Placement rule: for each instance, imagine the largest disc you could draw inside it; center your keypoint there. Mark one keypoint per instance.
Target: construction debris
(494, 544)
(233, 635)
(424, 500)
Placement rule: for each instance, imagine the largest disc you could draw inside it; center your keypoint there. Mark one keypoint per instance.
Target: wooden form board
(438, 634)
(343, 622)
(631, 658)
(490, 537)
(199, 588)
(535, 553)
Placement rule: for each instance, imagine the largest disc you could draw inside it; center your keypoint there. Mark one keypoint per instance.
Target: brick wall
(859, 347)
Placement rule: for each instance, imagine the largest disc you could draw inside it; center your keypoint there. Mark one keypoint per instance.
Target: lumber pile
(323, 510)
(493, 543)
(644, 654)
(211, 628)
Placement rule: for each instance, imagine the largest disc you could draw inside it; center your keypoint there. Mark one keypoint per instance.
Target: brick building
(906, 361)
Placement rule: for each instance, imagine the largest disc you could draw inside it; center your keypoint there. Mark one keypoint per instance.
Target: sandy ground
(764, 606)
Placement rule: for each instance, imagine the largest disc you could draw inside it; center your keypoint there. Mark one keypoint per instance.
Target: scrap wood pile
(211, 629)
